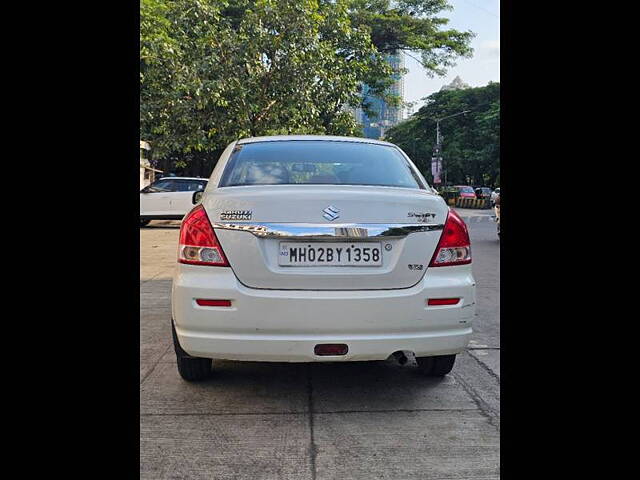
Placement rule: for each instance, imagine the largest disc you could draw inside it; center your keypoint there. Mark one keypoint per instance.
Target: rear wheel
(144, 222)
(436, 366)
(191, 369)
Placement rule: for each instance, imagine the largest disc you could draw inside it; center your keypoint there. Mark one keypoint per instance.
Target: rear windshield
(466, 189)
(298, 162)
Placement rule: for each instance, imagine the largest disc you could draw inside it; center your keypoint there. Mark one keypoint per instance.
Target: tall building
(456, 84)
(386, 116)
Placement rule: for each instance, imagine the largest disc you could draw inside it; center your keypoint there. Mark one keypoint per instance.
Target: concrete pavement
(318, 421)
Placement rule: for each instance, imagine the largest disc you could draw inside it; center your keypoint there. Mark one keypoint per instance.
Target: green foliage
(471, 142)
(413, 25)
(212, 71)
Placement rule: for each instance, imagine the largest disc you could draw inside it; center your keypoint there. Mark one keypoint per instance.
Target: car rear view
(308, 249)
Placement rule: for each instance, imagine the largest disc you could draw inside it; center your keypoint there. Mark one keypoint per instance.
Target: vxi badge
(236, 215)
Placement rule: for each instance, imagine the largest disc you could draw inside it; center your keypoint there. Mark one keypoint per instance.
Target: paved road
(374, 420)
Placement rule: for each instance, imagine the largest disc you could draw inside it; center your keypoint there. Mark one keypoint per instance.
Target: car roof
(183, 178)
(328, 138)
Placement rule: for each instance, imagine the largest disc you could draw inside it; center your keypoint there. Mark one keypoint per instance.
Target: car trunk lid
(255, 223)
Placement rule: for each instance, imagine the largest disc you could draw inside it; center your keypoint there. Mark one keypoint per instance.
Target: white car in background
(313, 248)
(169, 198)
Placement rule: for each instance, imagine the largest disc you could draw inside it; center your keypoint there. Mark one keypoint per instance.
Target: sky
(481, 17)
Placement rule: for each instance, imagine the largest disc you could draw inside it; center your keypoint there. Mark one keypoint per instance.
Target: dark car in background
(483, 192)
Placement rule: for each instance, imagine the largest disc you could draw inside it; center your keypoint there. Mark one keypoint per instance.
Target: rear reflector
(331, 349)
(443, 301)
(213, 303)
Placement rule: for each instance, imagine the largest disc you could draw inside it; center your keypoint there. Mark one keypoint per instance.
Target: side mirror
(197, 197)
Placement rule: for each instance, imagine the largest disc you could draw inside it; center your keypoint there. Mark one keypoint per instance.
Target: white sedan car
(169, 198)
(320, 249)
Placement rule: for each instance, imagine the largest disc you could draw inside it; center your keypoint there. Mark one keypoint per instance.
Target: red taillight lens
(454, 247)
(198, 242)
(443, 301)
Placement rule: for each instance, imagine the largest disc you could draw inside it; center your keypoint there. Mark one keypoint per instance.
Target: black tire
(436, 366)
(144, 222)
(191, 369)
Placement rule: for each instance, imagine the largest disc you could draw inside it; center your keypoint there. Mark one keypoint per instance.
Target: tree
(471, 142)
(212, 71)
(413, 25)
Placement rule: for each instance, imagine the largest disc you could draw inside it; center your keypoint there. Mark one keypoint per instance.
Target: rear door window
(318, 162)
(189, 185)
(162, 186)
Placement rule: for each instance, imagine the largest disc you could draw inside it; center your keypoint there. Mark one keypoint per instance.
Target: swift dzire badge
(422, 217)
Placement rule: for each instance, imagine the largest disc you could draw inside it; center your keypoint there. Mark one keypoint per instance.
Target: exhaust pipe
(400, 357)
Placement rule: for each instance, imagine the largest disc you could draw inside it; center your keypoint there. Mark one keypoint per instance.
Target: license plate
(330, 254)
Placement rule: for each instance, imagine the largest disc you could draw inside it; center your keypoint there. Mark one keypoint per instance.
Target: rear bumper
(281, 348)
(286, 325)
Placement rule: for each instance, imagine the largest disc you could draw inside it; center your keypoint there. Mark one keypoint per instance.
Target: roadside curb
(478, 203)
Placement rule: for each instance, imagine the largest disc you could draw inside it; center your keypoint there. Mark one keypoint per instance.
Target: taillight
(198, 242)
(454, 247)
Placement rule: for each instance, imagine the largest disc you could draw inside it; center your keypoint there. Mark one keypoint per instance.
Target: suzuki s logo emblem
(331, 213)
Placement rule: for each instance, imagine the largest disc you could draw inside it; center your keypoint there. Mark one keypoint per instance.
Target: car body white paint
(280, 314)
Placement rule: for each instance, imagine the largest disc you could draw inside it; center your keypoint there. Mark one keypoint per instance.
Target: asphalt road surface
(370, 420)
